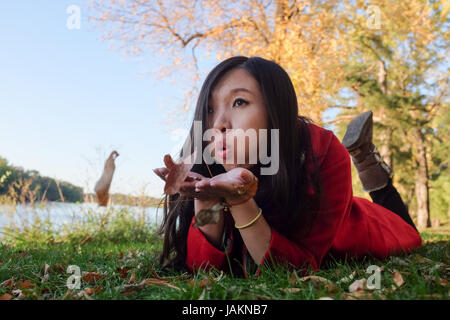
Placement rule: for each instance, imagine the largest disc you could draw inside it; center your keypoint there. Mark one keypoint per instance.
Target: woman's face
(236, 103)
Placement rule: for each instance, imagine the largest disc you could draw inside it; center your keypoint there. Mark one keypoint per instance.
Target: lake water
(66, 213)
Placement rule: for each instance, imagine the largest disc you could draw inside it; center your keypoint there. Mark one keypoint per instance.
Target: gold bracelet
(251, 222)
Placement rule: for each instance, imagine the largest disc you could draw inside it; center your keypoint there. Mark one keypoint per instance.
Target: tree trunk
(422, 191)
(385, 148)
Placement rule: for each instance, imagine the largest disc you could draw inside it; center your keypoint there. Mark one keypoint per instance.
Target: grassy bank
(129, 270)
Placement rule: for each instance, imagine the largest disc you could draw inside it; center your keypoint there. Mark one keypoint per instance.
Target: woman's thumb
(246, 176)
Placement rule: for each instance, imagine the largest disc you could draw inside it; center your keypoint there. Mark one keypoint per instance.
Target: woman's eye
(239, 102)
(210, 110)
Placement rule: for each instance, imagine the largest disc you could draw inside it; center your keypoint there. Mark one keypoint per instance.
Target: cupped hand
(187, 187)
(235, 186)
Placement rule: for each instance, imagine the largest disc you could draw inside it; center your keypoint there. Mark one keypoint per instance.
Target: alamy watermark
(221, 148)
(74, 20)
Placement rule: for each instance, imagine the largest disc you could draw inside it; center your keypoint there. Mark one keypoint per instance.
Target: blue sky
(67, 100)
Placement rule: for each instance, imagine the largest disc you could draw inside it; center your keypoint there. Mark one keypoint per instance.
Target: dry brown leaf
(202, 283)
(131, 288)
(6, 296)
(123, 271)
(158, 282)
(290, 290)
(59, 267)
(132, 278)
(443, 282)
(358, 295)
(8, 283)
(26, 284)
(358, 285)
(434, 296)
(293, 278)
(398, 279)
(316, 280)
(91, 291)
(92, 277)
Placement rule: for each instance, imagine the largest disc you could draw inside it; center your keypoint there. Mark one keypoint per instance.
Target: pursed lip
(221, 148)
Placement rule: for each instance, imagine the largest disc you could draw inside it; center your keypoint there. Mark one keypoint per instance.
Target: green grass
(26, 261)
(105, 242)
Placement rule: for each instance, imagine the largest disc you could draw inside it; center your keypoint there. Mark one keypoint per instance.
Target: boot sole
(355, 128)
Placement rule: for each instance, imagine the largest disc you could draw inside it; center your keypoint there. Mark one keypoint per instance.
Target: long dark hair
(284, 196)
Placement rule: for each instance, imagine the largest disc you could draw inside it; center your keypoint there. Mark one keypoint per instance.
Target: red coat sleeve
(201, 253)
(335, 205)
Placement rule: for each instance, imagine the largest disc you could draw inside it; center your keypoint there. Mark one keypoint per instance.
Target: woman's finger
(161, 172)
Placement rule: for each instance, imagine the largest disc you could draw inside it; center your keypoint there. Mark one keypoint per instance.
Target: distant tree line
(29, 186)
(128, 200)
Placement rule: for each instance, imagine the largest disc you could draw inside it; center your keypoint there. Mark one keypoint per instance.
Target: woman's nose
(222, 123)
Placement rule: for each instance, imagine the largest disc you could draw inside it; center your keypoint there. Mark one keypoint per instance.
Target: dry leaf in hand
(209, 215)
(177, 172)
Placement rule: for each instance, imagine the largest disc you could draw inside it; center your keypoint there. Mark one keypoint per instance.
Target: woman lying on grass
(302, 214)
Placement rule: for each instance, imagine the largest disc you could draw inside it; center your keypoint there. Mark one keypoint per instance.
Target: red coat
(346, 225)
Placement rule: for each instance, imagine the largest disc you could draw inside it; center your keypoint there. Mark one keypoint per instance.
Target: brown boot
(373, 172)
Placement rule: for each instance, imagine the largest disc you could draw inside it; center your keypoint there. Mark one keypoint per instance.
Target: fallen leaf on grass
(8, 283)
(158, 282)
(316, 280)
(6, 296)
(358, 295)
(203, 283)
(128, 289)
(358, 285)
(123, 271)
(24, 253)
(443, 282)
(91, 291)
(290, 290)
(26, 284)
(434, 296)
(398, 279)
(60, 268)
(132, 279)
(92, 277)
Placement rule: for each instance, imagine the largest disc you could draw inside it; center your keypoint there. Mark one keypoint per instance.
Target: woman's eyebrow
(240, 89)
